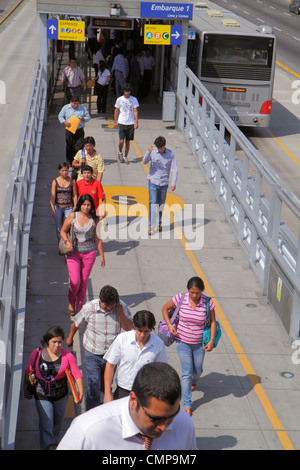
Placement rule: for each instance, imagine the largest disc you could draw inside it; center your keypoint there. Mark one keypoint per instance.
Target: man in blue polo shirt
(74, 142)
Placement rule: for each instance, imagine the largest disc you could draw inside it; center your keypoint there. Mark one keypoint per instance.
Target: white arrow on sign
(176, 35)
(52, 28)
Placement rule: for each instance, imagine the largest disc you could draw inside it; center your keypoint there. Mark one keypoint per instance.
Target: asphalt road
(274, 13)
(279, 144)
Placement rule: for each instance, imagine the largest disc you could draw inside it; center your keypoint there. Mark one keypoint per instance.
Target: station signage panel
(66, 30)
(117, 23)
(171, 11)
(157, 34)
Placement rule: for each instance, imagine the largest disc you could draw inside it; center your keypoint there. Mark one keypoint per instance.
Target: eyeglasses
(159, 419)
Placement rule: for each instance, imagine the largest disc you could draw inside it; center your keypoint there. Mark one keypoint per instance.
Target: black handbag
(75, 171)
(30, 381)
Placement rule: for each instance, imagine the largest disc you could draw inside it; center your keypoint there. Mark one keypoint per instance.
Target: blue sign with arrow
(52, 29)
(176, 35)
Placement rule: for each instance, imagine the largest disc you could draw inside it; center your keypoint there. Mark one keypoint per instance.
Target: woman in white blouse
(102, 86)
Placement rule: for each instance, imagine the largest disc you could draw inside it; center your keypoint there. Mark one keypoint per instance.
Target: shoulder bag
(75, 171)
(30, 381)
(163, 330)
(62, 246)
(206, 333)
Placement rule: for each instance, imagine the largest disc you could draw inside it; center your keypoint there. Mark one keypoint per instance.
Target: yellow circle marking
(134, 201)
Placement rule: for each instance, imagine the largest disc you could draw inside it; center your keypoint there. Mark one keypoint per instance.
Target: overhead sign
(107, 23)
(162, 34)
(192, 34)
(180, 11)
(66, 30)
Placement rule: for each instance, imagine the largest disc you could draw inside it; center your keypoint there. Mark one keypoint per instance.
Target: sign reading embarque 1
(180, 11)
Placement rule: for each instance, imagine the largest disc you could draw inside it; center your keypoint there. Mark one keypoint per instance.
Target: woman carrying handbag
(49, 365)
(189, 335)
(82, 256)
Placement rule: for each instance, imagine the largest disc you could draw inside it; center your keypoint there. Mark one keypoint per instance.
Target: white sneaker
(120, 154)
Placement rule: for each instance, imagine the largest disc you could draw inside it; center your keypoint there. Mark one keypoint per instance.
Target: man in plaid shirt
(104, 319)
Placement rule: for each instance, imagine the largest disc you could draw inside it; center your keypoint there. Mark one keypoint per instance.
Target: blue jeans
(191, 358)
(61, 213)
(51, 416)
(157, 198)
(94, 365)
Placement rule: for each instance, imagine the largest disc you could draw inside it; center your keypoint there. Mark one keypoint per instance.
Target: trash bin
(168, 113)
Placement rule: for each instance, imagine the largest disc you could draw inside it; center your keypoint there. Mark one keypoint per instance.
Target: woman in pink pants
(82, 256)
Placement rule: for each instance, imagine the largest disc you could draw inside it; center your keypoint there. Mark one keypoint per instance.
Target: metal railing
(263, 213)
(14, 244)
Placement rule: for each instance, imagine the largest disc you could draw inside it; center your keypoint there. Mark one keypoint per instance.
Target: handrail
(255, 202)
(14, 245)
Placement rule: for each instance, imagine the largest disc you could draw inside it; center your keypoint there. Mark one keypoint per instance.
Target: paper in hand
(74, 121)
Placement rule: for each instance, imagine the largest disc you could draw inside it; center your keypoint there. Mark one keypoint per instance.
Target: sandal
(188, 410)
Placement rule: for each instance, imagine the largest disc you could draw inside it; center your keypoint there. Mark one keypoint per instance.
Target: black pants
(147, 82)
(102, 98)
(74, 142)
(120, 393)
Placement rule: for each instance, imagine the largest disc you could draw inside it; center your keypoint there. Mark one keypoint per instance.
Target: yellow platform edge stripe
(262, 396)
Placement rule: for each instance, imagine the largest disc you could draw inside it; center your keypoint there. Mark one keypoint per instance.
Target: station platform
(244, 400)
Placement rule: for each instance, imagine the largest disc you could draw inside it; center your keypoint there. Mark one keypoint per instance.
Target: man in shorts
(126, 119)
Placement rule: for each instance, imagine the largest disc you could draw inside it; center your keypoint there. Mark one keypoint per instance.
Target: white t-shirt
(102, 77)
(110, 427)
(127, 354)
(126, 107)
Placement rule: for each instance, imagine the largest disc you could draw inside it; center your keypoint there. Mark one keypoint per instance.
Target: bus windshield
(247, 51)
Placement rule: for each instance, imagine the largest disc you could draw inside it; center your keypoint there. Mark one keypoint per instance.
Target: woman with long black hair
(82, 255)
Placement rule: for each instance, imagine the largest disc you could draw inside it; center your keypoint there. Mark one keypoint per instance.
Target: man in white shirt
(126, 120)
(150, 416)
(130, 351)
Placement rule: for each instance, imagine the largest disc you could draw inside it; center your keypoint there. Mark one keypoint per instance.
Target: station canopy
(99, 8)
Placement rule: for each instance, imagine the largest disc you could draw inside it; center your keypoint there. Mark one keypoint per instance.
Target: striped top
(74, 76)
(191, 321)
(101, 327)
(96, 163)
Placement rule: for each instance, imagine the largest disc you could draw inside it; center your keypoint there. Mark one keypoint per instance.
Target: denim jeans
(94, 365)
(51, 416)
(61, 213)
(157, 198)
(191, 358)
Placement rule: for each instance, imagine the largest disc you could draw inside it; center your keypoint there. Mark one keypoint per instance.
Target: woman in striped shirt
(189, 334)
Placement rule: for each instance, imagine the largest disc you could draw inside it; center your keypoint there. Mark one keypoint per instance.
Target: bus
(235, 61)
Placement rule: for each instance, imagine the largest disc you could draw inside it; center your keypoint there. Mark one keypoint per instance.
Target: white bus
(235, 60)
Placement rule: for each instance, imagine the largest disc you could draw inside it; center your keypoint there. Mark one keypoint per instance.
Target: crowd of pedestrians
(132, 394)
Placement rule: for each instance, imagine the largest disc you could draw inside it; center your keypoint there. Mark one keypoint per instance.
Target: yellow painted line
(271, 134)
(284, 147)
(262, 396)
(10, 12)
(287, 69)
